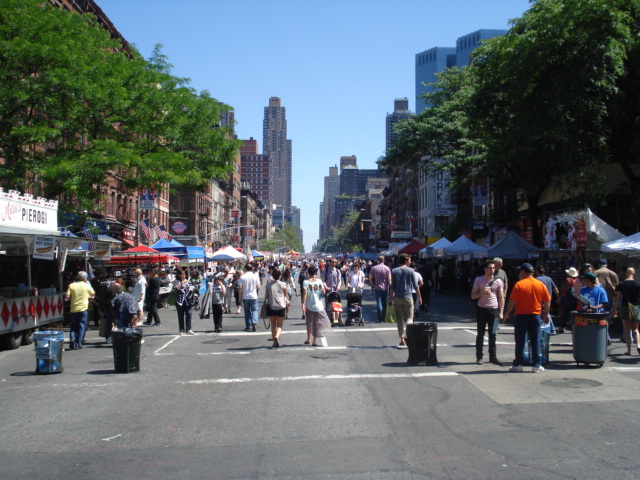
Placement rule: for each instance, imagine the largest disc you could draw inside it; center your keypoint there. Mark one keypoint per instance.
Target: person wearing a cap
(609, 281)
(568, 301)
(531, 300)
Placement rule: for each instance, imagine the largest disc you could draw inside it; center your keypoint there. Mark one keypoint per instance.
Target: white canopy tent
(629, 246)
(229, 254)
(436, 249)
(464, 246)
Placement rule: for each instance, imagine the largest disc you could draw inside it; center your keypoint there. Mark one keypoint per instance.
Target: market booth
(32, 255)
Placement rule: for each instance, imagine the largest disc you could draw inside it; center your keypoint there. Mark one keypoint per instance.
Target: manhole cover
(326, 356)
(571, 383)
(220, 340)
(101, 362)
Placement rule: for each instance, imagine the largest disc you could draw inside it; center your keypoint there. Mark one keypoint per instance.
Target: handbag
(634, 310)
(390, 316)
(171, 299)
(263, 311)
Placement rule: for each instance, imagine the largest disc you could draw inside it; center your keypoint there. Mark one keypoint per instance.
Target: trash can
(422, 340)
(126, 349)
(49, 347)
(589, 337)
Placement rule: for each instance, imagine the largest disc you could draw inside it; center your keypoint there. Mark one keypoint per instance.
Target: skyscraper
(278, 147)
(400, 112)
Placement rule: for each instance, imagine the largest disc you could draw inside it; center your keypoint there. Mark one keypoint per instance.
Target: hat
(602, 261)
(590, 276)
(572, 272)
(526, 267)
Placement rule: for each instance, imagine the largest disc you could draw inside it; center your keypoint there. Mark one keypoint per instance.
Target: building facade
(278, 147)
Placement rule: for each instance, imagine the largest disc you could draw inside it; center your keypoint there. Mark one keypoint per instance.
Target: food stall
(30, 259)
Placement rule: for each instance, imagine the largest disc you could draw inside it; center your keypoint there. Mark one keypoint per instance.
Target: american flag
(87, 234)
(144, 226)
(161, 231)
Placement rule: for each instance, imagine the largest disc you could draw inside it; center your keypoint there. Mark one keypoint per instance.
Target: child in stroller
(334, 307)
(354, 311)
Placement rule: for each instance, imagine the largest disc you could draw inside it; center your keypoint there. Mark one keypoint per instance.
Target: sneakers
(148, 324)
(478, 361)
(180, 334)
(253, 328)
(495, 361)
(190, 332)
(537, 369)
(515, 368)
(157, 324)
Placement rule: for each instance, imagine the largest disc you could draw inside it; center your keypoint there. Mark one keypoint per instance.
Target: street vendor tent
(629, 246)
(512, 246)
(140, 250)
(599, 231)
(142, 259)
(173, 247)
(412, 248)
(436, 249)
(229, 254)
(463, 246)
(257, 255)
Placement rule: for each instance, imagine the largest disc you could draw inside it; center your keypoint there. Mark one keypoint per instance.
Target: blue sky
(337, 65)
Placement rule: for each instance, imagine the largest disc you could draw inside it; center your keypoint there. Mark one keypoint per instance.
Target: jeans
(184, 317)
(250, 312)
(124, 319)
(524, 324)
(485, 319)
(152, 311)
(381, 303)
(78, 327)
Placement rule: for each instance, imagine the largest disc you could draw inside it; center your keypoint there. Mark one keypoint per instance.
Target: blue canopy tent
(257, 255)
(172, 247)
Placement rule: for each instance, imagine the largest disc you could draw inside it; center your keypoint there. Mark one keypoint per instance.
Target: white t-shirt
(250, 283)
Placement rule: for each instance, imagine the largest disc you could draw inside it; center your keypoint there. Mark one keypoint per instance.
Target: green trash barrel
(126, 349)
(589, 336)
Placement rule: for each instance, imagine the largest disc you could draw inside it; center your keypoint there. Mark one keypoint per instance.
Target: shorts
(276, 313)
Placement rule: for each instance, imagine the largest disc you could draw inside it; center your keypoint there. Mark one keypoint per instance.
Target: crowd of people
(396, 281)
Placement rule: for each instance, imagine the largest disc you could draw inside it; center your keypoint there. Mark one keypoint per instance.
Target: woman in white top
(356, 279)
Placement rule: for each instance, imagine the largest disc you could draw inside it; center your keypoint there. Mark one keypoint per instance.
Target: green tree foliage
(76, 106)
(286, 238)
(548, 105)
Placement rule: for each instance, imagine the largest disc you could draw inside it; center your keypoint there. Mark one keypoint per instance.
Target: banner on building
(147, 200)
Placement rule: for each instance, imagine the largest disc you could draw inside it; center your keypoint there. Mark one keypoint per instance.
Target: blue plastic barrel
(49, 348)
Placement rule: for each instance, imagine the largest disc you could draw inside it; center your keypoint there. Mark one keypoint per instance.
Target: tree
(286, 238)
(76, 107)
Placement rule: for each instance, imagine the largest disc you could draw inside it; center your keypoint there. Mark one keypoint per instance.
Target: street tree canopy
(548, 105)
(286, 239)
(76, 106)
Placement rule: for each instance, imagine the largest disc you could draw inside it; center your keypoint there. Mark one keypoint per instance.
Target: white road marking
(111, 438)
(320, 377)
(224, 353)
(624, 369)
(167, 344)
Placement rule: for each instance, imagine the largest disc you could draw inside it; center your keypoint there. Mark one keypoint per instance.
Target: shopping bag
(171, 299)
(390, 316)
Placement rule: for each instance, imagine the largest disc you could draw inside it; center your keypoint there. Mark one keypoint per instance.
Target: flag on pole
(144, 226)
(86, 233)
(160, 231)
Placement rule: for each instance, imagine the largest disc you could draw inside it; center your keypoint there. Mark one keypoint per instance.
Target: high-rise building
(428, 63)
(278, 147)
(400, 112)
(331, 191)
(255, 171)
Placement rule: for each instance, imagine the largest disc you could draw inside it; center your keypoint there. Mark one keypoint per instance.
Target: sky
(337, 66)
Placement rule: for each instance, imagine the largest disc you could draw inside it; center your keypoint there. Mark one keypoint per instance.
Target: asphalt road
(227, 406)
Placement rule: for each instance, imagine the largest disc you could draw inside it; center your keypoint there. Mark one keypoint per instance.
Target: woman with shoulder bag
(277, 301)
(288, 280)
(183, 289)
(627, 305)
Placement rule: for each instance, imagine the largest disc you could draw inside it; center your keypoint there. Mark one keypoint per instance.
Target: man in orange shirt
(531, 301)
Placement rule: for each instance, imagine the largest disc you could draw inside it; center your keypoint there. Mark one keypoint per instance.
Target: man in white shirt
(140, 290)
(248, 285)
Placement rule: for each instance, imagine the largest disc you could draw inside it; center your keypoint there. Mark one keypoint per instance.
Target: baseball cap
(590, 276)
(526, 267)
(602, 261)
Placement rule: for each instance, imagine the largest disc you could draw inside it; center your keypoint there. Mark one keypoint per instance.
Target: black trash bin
(49, 348)
(422, 340)
(126, 349)
(589, 337)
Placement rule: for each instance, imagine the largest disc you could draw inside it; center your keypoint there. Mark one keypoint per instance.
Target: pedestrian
(380, 280)
(551, 288)
(217, 293)
(249, 284)
(593, 298)
(355, 280)
(140, 290)
(126, 308)
(236, 290)
(628, 298)
(288, 280)
(228, 282)
(153, 299)
(502, 275)
(184, 290)
(107, 291)
(79, 293)
(531, 301)
(568, 301)
(302, 276)
(318, 324)
(609, 280)
(403, 284)
(425, 290)
(489, 293)
(276, 296)
(333, 282)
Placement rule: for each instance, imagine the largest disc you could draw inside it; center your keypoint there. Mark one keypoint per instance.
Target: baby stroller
(334, 304)
(354, 311)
